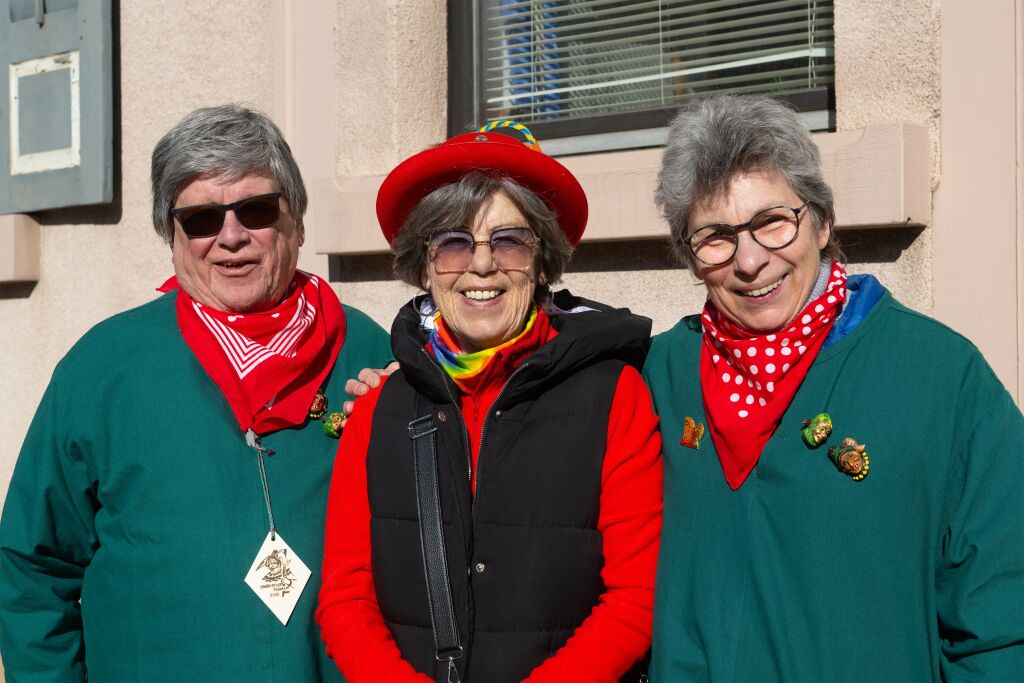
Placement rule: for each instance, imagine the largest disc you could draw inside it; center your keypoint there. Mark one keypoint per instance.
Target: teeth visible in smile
(764, 290)
(478, 295)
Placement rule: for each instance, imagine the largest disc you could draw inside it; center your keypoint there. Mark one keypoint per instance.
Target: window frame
(465, 103)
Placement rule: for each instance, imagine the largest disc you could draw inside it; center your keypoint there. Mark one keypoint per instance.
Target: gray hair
(453, 206)
(714, 138)
(227, 142)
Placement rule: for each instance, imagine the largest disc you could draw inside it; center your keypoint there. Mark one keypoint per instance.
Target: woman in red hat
(496, 503)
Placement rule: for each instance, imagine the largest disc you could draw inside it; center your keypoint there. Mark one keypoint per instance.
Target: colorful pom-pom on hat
(485, 151)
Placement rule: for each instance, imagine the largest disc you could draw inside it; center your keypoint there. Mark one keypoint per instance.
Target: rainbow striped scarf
(465, 367)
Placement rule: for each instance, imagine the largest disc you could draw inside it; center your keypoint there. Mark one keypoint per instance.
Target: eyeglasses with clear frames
(451, 251)
(772, 228)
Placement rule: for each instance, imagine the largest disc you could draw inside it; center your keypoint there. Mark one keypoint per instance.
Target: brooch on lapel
(850, 458)
(692, 433)
(332, 425)
(816, 430)
(318, 408)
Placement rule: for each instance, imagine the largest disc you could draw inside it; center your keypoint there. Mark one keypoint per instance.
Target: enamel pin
(318, 408)
(817, 430)
(332, 425)
(850, 458)
(692, 433)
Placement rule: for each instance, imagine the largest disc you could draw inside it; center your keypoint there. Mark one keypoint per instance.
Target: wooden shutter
(56, 104)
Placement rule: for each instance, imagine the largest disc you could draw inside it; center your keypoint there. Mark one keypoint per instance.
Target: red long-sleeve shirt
(618, 629)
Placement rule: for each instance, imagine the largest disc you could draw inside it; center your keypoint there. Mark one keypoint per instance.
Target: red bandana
(749, 380)
(268, 364)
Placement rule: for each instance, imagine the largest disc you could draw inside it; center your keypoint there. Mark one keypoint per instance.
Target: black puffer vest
(524, 555)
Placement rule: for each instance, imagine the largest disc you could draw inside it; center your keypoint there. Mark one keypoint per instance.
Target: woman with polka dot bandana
(857, 512)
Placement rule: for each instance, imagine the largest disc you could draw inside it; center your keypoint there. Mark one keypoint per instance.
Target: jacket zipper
(446, 381)
(483, 432)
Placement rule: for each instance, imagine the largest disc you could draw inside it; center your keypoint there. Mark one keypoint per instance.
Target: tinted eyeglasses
(772, 228)
(511, 248)
(206, 220)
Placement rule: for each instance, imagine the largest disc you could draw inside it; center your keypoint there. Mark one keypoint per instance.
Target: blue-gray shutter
(56, 104)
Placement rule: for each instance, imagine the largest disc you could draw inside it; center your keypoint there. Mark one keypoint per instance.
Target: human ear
(823, 234)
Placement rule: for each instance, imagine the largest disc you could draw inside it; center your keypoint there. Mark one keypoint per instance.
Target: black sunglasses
(206, 220)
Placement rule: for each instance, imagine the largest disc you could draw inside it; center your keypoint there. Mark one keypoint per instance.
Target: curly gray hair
(227, 142)
(713, 139)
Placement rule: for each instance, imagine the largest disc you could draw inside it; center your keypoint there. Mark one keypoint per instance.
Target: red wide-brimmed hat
(422, 173)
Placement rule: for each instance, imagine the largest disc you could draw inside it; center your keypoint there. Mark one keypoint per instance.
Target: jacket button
(442, 416)
(479, 567)
(497, 414)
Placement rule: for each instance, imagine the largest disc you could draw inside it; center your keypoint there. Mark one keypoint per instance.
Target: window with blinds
(577, 67)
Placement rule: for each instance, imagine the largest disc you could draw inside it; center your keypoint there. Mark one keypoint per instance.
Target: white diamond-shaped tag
(278, 576)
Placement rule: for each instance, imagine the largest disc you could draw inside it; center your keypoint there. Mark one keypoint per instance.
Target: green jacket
(915, 573)
(135, 492)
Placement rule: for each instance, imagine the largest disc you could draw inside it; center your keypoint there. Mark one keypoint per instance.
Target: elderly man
(165, 517)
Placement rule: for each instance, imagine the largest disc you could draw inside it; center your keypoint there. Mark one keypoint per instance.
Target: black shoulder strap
(447, 643)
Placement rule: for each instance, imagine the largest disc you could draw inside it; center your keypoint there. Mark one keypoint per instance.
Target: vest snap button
(442, 416)
(497, 414)
(480, 567)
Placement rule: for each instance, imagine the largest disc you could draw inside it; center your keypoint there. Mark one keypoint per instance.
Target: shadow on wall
(16, 290)
(617, 255)
(875, 245)
(359, 268)
(590, 257)
(100, 214)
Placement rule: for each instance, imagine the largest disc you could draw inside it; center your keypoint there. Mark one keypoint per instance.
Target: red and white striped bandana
(748, 380)
(268, 364)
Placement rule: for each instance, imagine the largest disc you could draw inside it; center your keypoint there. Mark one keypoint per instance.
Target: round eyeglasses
(451, 251)
(772, 228)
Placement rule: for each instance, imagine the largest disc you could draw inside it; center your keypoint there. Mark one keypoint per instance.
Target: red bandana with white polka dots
(748, 380)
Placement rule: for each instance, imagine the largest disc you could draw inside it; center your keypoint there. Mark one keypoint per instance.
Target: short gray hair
(712, 139)
(227, 142)
(453, 206)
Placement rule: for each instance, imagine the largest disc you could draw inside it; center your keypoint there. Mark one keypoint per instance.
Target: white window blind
(584, 61)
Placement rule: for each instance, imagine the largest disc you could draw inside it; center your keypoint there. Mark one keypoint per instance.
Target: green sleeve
(980, 577)
(372, 342)
(47, 538)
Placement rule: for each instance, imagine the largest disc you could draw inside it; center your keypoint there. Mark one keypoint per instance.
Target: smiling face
(238, 270)
(760, 290)
(484, 306)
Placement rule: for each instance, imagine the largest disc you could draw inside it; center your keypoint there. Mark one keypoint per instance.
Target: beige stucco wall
(888, 68)
(390, 97)
(978, 234)
(390, 93)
